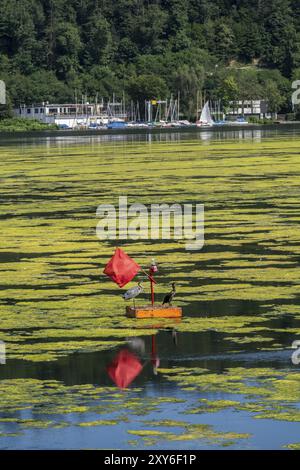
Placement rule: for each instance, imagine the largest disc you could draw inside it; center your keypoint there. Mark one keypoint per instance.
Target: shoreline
(147, 131)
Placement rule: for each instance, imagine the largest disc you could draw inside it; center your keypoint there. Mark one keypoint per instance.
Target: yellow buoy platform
(154, 311)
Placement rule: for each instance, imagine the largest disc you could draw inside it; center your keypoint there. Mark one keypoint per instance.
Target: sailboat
(205, 118)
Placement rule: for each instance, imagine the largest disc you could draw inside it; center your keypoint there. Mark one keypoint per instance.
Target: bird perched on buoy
(170, 296)
(133, 292)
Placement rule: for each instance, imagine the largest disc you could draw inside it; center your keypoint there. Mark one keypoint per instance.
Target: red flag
(121, 268)
(124, 368)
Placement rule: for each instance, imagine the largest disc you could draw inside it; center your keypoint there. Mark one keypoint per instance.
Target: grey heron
(133, 292)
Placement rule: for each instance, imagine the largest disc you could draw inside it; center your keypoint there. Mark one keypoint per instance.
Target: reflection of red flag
(124, 368)
(121, 268)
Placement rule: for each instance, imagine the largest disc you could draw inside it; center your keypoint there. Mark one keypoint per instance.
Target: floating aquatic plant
(272, 394)
(54, 300)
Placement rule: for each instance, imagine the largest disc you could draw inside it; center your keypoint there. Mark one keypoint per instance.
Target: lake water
(226, 375)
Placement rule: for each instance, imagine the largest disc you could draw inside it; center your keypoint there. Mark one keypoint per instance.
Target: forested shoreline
(50, 50)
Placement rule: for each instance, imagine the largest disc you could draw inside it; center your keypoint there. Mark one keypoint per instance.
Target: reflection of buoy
(154, 357)
(124, 368)
(138, 344)
(174, 336)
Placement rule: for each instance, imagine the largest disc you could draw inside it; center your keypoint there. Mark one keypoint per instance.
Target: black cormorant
(170, 296)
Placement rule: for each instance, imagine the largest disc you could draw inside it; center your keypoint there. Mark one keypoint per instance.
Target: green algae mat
(241, 290)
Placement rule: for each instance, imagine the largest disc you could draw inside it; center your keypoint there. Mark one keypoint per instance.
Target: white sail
(205, 115)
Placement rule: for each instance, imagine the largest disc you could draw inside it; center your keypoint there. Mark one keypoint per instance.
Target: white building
(69, 115)
(257, 108)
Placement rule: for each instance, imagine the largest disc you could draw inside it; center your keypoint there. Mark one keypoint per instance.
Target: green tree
(279, 35)
(188, 81)
(224, 41)
(273, 96)
(6, 110)
(178, 24)
(146, 87)
(149, 32)
(19, 21)
(228, 90)
(98, 40)
(248, 37)
(295, 51)
(40, 86)
(276, 88)
(103, 81)
(127, 51)
(67, 48)
(249, 87)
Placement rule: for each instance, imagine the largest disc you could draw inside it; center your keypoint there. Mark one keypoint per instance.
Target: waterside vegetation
(50, 51)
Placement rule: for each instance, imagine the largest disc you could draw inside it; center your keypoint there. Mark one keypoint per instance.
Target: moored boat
(205, 119)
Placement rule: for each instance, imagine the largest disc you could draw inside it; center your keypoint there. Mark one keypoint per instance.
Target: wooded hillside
(150, 48)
